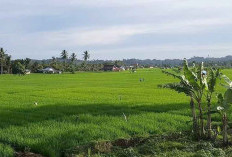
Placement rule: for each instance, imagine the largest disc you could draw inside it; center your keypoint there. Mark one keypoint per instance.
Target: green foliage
(73, 57)
(190, 76)
(213, 77)
(226, 100)
(227, 81)
(218, 152)
(204, 145)
(18, 68)
(6, 151)
(86, 56)
(203, 153)
(128, 152)
(64, 55)
(36, 67)
(214, 152)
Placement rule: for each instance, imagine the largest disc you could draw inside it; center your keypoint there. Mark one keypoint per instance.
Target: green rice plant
(76, 109)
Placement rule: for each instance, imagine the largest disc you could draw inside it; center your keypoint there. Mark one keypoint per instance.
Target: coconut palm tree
(64, 56)
(73, 57)
(86, 56)
(2, 59)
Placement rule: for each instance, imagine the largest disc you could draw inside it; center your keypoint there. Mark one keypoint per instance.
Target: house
(48, 70)
(108, 67)
(122, 68)
(116, 69)
(27, 71)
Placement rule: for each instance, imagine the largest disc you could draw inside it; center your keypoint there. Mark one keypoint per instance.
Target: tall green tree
(36, 67)
(8, 63)
(54, 62)
(64, 56)
(2, 58)
(27, 62)
(86, 56)
(18, 67)
(73, 57)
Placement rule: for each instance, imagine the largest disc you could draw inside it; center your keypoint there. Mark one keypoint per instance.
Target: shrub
(203, 153)
(128, 152)
(218, 152)
(6, 151)
(204, 145)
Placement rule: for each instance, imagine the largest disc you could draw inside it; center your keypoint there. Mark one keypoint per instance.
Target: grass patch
(76, 109)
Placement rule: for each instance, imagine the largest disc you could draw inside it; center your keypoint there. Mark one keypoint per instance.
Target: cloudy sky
(116, 29)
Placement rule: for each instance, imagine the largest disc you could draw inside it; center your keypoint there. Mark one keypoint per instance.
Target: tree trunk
(202, 130)
(8, 69)
(1, 67)
(209, 124)
(64, 64)
(195, 125)
(224, 122)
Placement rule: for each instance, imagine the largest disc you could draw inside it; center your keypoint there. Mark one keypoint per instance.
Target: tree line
(64, 63)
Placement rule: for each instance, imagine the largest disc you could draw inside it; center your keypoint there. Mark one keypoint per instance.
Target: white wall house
(49, 70)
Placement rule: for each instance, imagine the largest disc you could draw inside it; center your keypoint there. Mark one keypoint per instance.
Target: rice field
(50, 114)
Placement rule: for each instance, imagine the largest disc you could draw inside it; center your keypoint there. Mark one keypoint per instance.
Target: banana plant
(198, 82)
(193, 83)
(185, 87)
(225, 102)
(212, 80)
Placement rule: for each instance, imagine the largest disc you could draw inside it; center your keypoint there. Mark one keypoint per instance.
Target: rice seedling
(75, 109)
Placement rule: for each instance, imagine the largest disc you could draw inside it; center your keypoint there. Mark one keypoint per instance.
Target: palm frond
(180, 88)
(227, 80)
(171, 74)
(190, 76)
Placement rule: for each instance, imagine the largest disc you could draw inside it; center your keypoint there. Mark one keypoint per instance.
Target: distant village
(67, 62)
(58, 65)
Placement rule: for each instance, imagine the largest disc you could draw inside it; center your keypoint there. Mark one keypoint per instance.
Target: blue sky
(116, 29)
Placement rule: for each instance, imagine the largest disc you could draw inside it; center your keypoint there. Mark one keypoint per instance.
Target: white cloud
(117, 34)
(166, 51)
(121, 21)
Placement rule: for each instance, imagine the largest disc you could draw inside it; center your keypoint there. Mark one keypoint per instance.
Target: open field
(74, 109)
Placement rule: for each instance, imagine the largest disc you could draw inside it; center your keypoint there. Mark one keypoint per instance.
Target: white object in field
(219, 108)
(204, 72)
(27, 71)
(36, 103)
(125, 117)
(49, 70)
